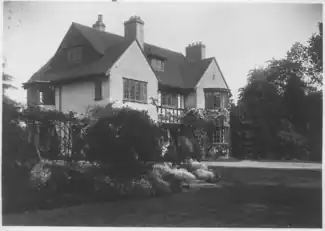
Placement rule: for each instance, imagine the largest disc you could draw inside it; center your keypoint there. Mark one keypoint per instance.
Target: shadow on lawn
(238, 205)
(278, 206)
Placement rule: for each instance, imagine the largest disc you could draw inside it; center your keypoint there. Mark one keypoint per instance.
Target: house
(92, 66)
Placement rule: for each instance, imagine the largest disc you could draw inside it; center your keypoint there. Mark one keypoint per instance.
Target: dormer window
(157, 64)
(75, 54)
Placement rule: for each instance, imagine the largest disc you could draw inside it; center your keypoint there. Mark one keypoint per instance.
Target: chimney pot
(134, 29)
(99, 25)
(100, 18)
(195, 51)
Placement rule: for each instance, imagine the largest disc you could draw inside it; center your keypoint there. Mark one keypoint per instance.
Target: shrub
(142, 188)
(188, 148)
(203, 174)
(160, 186)
(45, 176)
(123, 138)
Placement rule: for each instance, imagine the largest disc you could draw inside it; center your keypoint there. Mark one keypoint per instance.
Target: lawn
(247, 197)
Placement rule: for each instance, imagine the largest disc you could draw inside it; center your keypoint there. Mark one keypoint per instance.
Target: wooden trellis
(62, 135)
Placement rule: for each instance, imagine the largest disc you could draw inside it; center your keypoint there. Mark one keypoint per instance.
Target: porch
(170, 119)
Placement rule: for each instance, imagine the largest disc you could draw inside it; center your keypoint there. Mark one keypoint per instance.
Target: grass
(245, 199)
(232, 206)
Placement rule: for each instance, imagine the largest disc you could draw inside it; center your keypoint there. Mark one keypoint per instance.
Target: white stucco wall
(208, 81)
(78, 96)
(133, 65)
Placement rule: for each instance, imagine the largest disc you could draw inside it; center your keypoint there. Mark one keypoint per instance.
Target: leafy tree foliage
(310, 59)
(277, 103)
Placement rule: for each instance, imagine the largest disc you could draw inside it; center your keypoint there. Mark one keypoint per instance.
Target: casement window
(218, 136)
(98, 89)
(75, 54)
(158, 64)
(169, 100)
(134, 90)
(213, 100)
(47, 95)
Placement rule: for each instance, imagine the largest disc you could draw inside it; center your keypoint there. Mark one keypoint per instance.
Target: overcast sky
(240, 36)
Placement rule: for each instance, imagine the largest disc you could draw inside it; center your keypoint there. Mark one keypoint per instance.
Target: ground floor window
(169, 99)
(98, 89)
(219, 136)
(47, 95)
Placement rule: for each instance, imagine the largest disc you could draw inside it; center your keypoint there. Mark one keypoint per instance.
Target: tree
(262, 102)
(294, 100)
(284, 100)
(315, 51)
(6, 78)
(309, 57)
(6, 83)
(314, 116)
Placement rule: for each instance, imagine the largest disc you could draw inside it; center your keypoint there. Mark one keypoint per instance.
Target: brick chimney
(133, 29)
(195, 51)
(99, 25)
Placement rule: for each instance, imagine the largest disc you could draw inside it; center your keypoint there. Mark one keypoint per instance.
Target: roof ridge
(95, 30)
(165, 49)
(197, 61)
(109, 33)
(179, 71)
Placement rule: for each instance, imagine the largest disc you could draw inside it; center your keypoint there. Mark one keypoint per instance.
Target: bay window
(213, 100)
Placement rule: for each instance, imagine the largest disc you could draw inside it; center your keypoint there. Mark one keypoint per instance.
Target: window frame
(158, 64)
(211, 101)
(74, 56)
(98, 89)
(219, 136)
(172, 100)
(136, 92)
(47, 96)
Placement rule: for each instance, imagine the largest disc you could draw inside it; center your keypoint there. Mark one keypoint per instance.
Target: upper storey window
(75, 54)
(157, 64)
(213, 100)
(134, 90)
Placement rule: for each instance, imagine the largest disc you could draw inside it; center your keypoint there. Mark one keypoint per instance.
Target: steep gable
(100, 40)
(213, 77)
(105, 48)
(192, 72)
(98, 67)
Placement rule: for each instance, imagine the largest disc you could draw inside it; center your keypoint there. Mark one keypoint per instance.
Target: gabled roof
(178, 71)
(100, 40)
(193, 71)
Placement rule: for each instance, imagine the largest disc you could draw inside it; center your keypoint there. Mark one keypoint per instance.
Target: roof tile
(178, 72)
